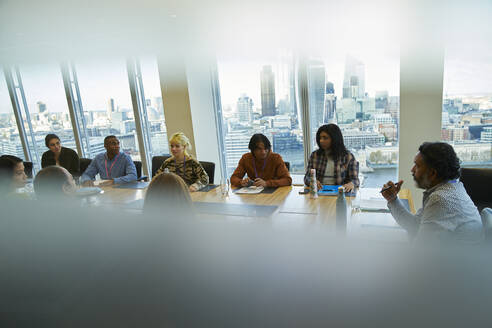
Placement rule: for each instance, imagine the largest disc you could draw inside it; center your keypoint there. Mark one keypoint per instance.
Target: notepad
(249, 190)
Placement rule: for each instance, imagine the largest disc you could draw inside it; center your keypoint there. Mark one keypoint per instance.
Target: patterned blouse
(194, 174)
(346, 168)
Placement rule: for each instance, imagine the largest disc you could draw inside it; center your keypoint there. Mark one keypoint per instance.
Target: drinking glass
(224, 187)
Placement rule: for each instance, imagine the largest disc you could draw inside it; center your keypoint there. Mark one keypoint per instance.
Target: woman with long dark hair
(12, 175)
(60, 156)
(333, 163)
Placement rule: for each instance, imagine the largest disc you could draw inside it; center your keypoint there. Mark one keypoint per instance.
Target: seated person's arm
(352, 176)
(89, 174)
(44, 160)
(282, 174)
(131, 173)
(404, 217)
(202, 178)
(239, 172)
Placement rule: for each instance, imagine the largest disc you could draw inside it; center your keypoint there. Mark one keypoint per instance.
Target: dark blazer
(68, 159)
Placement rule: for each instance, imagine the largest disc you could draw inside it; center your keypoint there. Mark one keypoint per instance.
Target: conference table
(285, 207)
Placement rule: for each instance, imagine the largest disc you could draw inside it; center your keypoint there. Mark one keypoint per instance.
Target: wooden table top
(294, 209)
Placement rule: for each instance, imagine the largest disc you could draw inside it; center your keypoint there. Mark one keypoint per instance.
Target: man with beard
(447, 213)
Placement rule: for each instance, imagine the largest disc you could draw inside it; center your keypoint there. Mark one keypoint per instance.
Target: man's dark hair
(109, 137)
(256, 139)
(441, 157)
(49, 137)
(338, 149)
(50, 181)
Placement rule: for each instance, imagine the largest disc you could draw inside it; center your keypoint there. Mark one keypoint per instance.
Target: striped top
(194, 176)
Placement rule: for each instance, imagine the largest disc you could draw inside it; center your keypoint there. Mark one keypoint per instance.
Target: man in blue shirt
(113, 166)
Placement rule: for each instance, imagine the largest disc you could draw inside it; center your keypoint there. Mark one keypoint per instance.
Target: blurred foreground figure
(167, 192)
(53, 183)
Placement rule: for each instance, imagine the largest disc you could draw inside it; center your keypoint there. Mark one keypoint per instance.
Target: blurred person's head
(167, 191)
(53, 182)
(179, 144)
(260, 146)
(329, 138)
(112, 145)
(53, 143)
(12, 173)
(435, 162)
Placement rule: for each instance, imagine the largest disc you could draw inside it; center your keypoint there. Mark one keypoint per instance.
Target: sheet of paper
(250, 190)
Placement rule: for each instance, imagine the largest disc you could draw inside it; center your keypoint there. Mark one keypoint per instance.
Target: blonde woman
(183, 164)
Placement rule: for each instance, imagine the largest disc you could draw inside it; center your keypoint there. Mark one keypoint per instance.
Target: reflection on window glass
(359, 93)
(156, 125)
(47, 104)
(107, 105)
(260, 97)
(10, 142)
(467, 104)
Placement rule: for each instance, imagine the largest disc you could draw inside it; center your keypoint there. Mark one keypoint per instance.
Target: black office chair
(287, 164)
(487, 224)
(28, 169)
(209, 167)
(84, 164)
(157, 162)
(138, 167)
(477, 182)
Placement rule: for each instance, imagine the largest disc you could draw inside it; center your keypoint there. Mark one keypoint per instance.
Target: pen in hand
(389, 187)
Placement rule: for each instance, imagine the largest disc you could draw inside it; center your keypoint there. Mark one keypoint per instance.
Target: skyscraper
(111, 107)
(245, 108)
(316, 91)
(41, 107)
(267, 91)
(329, 115)
(354, 68)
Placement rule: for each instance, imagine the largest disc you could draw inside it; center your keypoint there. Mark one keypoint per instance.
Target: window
(107, 105)
(467, 103)
(153, 116)
(10, 142)
(47, 104)
(260, 97)
(360, 93)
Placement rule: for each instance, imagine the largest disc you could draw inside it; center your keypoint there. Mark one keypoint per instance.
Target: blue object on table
(332, 190)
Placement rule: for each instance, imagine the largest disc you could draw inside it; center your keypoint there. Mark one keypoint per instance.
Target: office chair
(157, 162)
(138, 167)
(209, 167)
(287, 164)
(477, 182)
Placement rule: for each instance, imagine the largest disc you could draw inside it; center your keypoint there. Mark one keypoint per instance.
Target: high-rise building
(245, 108)
(316, 91)
(267, 91)
(354, 68)
(329, 115)
(111, 107)
(41, 107)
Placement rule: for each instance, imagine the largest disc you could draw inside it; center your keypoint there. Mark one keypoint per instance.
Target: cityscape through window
(467, 104)
(359, 93)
